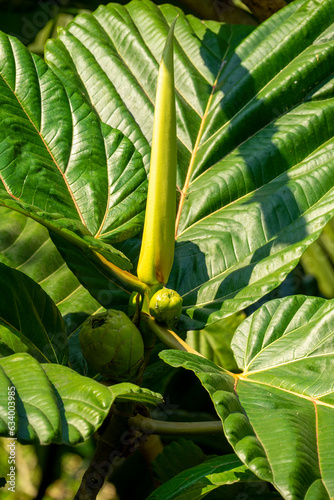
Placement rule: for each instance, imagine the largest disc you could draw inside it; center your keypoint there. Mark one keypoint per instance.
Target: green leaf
(255, 121)
(27, 247)
(198, 481)
(278, 414)
(214, 341)
(131, 392)
(177, 457)
(220, 385)
(106, 290)
(29, 319)
(79, 178)
(67, 408)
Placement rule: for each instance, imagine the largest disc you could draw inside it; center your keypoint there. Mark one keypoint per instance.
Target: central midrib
(194, 152)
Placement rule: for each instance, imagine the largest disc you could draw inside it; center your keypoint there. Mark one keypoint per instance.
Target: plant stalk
(167, 336)
(127, 279)
(150, 426)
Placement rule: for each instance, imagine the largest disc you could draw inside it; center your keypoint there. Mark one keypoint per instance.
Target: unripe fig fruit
(112, 345)
(166, 306)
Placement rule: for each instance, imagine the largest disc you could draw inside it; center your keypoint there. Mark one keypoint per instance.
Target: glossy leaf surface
(67, 408)
(278, 414)
(26, 246)
(255, 114)
(59, 164)
(29, 319)
(197, 482)
(214, 341)
(131, 392)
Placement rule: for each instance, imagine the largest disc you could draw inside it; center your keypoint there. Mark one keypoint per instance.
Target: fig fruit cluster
(112, 345)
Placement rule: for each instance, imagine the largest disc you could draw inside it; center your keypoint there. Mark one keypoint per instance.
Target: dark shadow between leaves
(65, 433)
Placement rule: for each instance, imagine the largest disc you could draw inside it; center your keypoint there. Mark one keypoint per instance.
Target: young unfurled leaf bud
(112, 345)
(157, 250)
(166, 306)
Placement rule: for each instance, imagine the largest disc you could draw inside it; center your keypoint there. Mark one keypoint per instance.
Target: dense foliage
(255, 172)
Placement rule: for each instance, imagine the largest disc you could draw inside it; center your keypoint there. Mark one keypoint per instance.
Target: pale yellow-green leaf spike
(157, 250)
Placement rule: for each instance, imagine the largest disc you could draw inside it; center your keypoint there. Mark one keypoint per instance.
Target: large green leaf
(197, 482)
(26, 246)
(97, 280)
(278, 414)
(188, 475)
(29, 319)
(176, 457)
(66, 408)
(59, 164)
(255, 135)
(214, 341)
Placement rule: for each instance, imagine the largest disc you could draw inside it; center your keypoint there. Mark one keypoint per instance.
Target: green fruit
(112, 345)
(166, 306)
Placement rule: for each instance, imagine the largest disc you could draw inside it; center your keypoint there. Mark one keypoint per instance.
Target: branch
(150, 426)
(114, 445)
(167, 336)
